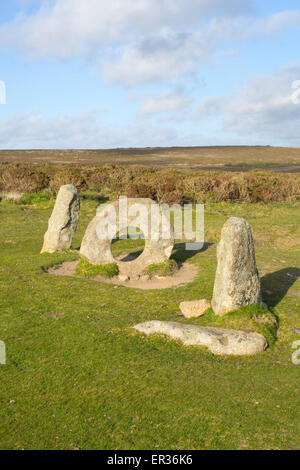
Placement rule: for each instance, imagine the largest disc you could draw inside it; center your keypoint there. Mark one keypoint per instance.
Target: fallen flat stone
(63, 221)
(194, 308)
(220, 341)
(237, 281)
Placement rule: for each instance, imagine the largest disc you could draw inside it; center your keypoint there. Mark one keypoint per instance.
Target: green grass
(31, 199)
(38, 199)
(167, 268)
(78, 376)
(254, 318)
(88, 270)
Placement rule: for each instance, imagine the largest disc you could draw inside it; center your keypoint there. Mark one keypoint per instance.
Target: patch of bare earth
(186, 273)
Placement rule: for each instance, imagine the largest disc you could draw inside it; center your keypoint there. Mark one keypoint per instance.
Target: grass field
(78, 376)
(242, 157)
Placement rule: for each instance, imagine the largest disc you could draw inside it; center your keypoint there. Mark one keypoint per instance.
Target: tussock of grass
(251, 318)
(167, 268)
(88, 270)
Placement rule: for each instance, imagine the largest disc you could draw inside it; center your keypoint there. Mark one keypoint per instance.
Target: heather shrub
(23, 179)
(96, 179)
(225, 190)
(169, 186)
(139, 190)
(67, 176)
(172, 197)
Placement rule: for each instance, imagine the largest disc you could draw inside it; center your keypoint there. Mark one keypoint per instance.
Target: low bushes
(22, 179)
(164, 186)
(67, 177)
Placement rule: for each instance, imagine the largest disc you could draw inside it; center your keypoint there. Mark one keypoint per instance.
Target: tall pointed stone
(63, 221)
(237, 281)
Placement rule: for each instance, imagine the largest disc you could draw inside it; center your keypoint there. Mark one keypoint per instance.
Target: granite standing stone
(237, 281)
(138, 213)
(63, 221)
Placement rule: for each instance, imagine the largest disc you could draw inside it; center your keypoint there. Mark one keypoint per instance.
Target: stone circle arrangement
(236, 283)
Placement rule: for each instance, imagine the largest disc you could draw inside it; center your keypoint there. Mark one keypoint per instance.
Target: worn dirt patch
(186, 273)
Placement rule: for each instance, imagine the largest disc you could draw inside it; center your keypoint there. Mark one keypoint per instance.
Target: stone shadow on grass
(180, 254)
(94, 197)
(130, 256)
(276, 285)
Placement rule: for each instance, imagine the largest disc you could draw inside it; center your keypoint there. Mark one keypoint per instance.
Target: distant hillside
(231, 157)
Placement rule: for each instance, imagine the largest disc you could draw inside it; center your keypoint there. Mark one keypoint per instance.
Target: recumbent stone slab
(220, 341)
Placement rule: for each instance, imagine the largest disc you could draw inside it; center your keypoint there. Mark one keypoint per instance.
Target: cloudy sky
(132, 73)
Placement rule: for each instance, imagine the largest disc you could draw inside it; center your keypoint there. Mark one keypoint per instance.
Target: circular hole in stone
(128, 244)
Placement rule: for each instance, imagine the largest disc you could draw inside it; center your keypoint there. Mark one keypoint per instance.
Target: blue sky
(135, 73)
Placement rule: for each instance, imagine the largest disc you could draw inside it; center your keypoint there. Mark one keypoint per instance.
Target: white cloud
(166, 102)
(170, 55)
(263, 108)
(164, 57)
(67, 28)
(31, 130)
(275, 23)
(138, 41)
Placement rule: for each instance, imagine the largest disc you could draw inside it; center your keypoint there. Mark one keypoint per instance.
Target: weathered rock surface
(237, 281)
(157, 230)
(63, 221)
(220, 341)
(194, 308)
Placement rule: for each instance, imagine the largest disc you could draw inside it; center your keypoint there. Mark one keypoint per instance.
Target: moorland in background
(222, 157)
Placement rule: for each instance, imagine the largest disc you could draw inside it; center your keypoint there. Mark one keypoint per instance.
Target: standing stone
(237, 281)
(142, 213)
(63, 221)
